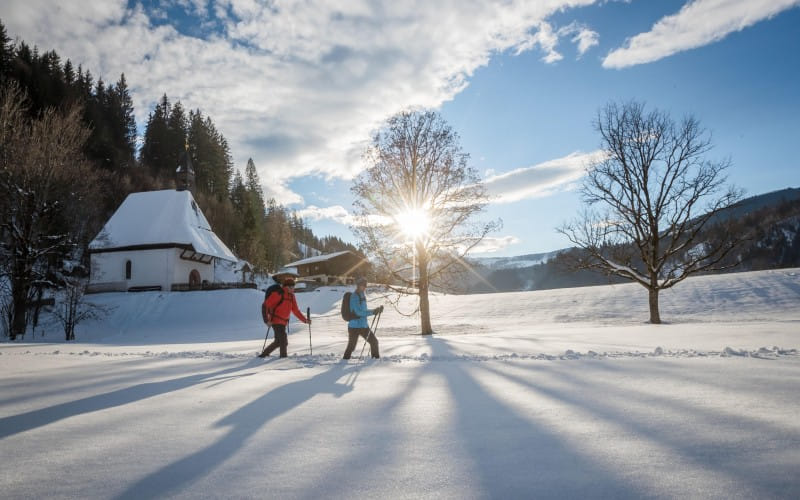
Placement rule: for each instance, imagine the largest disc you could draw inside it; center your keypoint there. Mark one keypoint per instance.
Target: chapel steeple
(184, 174)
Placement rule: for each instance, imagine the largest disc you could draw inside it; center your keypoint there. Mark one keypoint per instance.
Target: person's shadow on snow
(243, 423)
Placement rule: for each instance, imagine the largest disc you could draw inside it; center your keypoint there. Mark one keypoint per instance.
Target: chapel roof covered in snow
(164, 218)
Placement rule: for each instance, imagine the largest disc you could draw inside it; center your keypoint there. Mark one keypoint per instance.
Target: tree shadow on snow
(514, 457)
(242, 425)
(713, 454)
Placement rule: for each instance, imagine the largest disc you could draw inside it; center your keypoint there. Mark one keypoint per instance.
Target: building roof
(160, 218)
(318, 258)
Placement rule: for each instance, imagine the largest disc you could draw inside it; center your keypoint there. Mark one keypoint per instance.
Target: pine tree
(278, 236)
(154, 148)
(124, 117)
(211, 156)
(253, 184)
(100, 147)
(238, 192)
(176, 140)
(6, 54)
(69, 73)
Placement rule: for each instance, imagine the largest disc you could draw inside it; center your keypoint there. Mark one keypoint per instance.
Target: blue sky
(299, 86)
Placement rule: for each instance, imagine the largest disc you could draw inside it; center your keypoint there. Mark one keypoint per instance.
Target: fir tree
(124, 113)
(154, 148)
(6, 54)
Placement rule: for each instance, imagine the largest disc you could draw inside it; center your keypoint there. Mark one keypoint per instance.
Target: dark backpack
(347, 314)
(270, 290)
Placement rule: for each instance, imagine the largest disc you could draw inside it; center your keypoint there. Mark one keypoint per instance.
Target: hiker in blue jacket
(359, 327)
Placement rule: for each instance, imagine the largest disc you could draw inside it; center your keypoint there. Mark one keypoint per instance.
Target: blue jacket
(358, 306)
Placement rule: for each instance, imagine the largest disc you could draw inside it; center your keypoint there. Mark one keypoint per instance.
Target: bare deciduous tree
(656, 192)
(44, 182)
(71, 308)
(415, 205)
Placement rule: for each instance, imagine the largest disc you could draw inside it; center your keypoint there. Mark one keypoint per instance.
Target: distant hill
(770, 222)
(518, 261)
(758, 202)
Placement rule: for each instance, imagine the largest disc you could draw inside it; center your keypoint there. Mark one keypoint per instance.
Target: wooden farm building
(333, 268)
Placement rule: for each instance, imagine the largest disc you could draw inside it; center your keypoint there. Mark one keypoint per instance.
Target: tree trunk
(424, 303)
(19, 297)
(655, 317)
(425, 311)
(20, 290)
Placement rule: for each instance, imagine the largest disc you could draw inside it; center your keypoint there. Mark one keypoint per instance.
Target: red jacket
(281, 310)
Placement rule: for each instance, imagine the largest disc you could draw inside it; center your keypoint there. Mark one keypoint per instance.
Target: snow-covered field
(559, 393)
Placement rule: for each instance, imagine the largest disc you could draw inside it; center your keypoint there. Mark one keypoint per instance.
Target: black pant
(281, 340)
(352, 340)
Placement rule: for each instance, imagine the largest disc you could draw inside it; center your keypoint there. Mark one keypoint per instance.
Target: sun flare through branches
(417, 199)
(413, 223)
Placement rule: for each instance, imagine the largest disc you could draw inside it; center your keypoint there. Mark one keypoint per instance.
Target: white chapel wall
(157, 267)
(148, 268)
(182, 267)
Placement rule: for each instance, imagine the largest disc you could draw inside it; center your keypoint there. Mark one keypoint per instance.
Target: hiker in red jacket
(280, 305)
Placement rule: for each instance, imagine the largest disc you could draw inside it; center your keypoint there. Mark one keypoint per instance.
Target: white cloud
(546, 39)
(540, 180)
(584, 37)
(698, 23)
(494, 244)
(336, 213)
(297, 86)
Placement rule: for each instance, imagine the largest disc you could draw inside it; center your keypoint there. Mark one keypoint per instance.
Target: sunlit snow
(547, 394)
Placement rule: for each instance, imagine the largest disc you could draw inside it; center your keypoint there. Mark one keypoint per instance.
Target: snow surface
(161, 217)
(558, 393)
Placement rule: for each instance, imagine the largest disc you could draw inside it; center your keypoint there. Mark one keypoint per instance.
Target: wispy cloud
(540, 180)
(547, 39)
(586, 39)
(698, 23)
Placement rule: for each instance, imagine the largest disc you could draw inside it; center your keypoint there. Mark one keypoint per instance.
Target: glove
(378, 310)
(308, 321)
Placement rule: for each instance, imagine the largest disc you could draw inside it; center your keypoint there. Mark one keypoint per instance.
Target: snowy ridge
(518, 261)
(308, 361)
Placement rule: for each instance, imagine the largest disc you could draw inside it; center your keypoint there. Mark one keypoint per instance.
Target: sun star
(413, 223)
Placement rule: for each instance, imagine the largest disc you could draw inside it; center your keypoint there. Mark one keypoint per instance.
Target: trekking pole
(371, 329)
(308, 317)
(269, 327)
